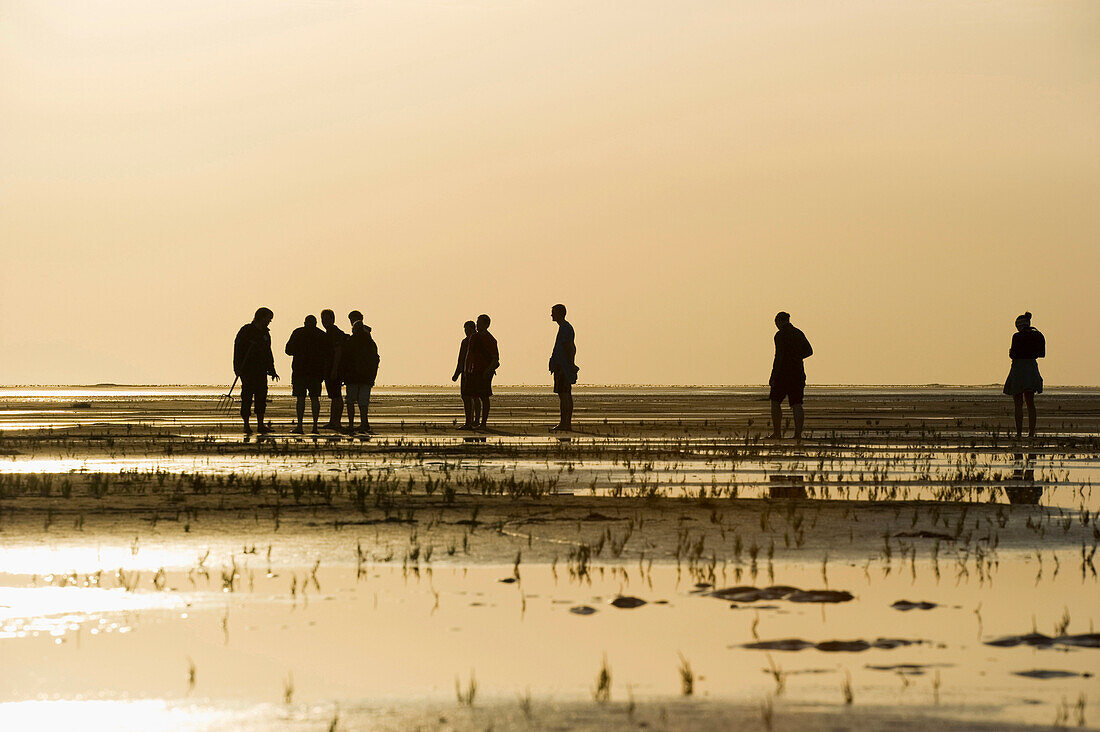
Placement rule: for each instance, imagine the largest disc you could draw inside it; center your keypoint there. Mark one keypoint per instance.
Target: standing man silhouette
(788, 379)
(253, 362)
(1024, 380)
(460, 373)
(336, 341)
(308, 346)
(564, 368)
(482, 362)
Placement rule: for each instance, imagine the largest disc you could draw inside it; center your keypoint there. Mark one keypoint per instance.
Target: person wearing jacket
(360, 369)
(253, 362)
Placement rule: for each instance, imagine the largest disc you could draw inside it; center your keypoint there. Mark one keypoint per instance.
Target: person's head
(483, 322)
(469, 326)
(263, 317)
(1023, 322)
(782, 318)
(328, 318)
(355, 317)
(557, 313)
(359, 326)
(311, 321)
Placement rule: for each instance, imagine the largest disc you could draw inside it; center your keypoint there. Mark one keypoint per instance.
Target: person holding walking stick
(253, 362)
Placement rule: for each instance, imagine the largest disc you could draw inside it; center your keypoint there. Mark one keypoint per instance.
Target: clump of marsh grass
(466, 696)
(846, 689)
(687, 677)
(602, 691)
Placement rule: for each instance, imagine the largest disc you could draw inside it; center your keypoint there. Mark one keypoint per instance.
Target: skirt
(1024, 376)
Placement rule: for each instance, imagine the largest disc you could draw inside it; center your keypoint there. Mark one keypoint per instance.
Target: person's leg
(1018, 406)
(777, 418)
(246, 404)
(794, 398)
(351, 397)
(261, 405)
(364, 409)
(475, 411)
(484, 410)
(468, 410)
(300, 407)
(336, 403)
(567, 413)
(315, 408)
(1029, 397)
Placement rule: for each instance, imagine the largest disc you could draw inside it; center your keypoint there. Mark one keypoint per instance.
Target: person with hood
(360, 371)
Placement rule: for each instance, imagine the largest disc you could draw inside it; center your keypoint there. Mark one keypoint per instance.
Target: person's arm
(807, 349)
(495, 357)
(239, 352)
(290, 345)
(1042, 346)
(1012, 349)
(461, 360)
(270, 362)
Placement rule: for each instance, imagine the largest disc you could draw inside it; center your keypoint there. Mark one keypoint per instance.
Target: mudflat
(665, 565)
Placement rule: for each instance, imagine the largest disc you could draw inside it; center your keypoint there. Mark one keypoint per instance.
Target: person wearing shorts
(563, 365)
(788, 378)
(361, 354)
(308, 346)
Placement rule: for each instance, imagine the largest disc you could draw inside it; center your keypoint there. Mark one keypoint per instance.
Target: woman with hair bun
(1024, 380)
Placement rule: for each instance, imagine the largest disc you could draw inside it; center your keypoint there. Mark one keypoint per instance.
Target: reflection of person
(253, 362)
(362, 360)
(309, 348)
(482, 362)
(460, 373)
(563, 366)
(788, 379)
(336, 340)
(1024, 380)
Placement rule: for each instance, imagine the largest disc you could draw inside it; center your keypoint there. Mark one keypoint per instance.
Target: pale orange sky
(903, 177)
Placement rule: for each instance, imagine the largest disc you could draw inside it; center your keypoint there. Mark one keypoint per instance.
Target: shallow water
(374, 632)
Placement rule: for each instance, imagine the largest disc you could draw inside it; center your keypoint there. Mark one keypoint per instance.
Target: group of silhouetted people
(347, 365)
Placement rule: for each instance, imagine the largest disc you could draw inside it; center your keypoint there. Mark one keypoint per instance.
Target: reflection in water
(1023, 489)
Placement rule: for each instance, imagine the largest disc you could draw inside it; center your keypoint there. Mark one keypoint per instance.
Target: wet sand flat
(907, 563)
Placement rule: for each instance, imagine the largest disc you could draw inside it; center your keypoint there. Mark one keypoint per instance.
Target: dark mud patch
(745, 594)
(831, 646)
(626, 602)
(907, 605)
(909, 669)
(1042, 673)
(924, 535)
(1038, 640)
(583, 610)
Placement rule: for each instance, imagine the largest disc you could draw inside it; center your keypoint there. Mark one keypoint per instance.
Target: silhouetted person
(1024, 380)
(788, 379)
(253, 362)
(564, 368)
(482, 362)
(336, 340)
(309, 347)
(361, 354)
(460, 373)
